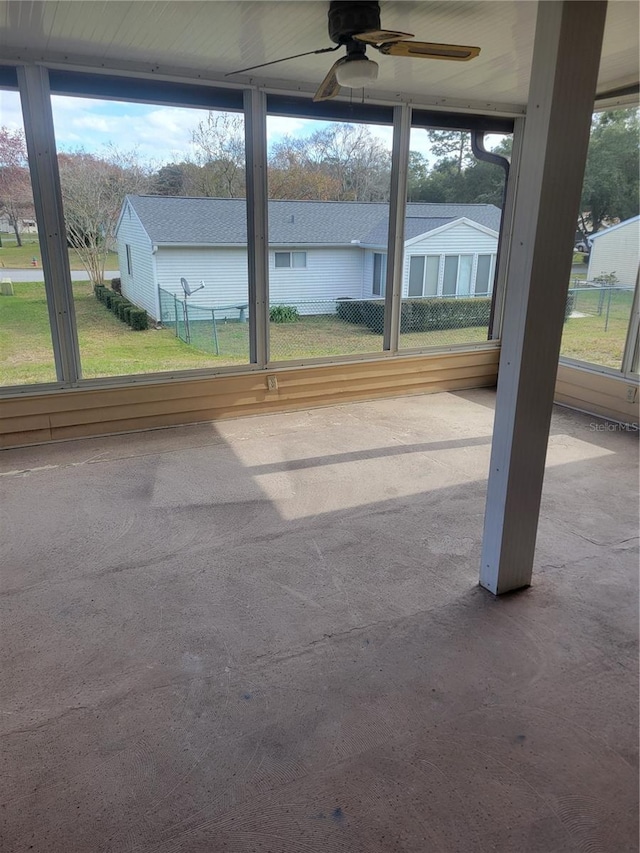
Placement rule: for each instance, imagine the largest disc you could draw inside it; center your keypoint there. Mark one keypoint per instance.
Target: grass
(14, 257)
(110, 348)
(585, 338)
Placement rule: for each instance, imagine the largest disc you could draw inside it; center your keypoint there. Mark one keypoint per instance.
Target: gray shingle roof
(222, 221)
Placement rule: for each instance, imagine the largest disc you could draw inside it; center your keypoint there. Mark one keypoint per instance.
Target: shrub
(122, 306)
(99, 290)
(116, 285)
(568, 309)
(138, 320)
(349, 310)
(115, 302)
(373, 315)
(126, 313)
(455, 313)
(108, 295)
(284, 314)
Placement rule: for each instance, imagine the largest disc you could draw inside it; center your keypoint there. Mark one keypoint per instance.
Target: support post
(255, 129)
(397, 210)
(564, 73)
(506, 230)
(33, 82)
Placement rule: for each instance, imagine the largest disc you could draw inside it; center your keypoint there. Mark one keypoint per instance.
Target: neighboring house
(319, 251)
(616, 250)
(25, 226)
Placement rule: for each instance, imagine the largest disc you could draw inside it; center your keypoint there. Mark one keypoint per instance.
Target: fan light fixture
(356, 73)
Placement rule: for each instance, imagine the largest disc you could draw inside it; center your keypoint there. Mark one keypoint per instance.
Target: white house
(616, 250)
(319, 251)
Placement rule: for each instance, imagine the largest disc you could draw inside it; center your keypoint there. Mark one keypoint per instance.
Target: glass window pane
(482, 274)
(431, 279)
(450, 275)
(158, 234)
(416, 275)
(26, 351)
(328, 197)
(596, 322)
(453, 211)
(603, 278)
(283, 260)
(464, 275)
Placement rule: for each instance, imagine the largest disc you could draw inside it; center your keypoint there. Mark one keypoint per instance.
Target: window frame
(382, 278)
(129, 254)
(291, 255)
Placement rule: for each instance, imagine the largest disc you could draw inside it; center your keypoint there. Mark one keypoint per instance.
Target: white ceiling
(207, 39)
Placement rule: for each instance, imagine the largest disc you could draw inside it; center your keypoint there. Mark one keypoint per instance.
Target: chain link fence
(222, 330)
(596, 300)
(326, 328)
(596, 323)
(352, 326)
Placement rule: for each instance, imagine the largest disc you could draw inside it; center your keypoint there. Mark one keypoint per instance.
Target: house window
(288, 260)
(129, 260)
(450, 275)
(423, 275)
(483, 273)
(379, 273)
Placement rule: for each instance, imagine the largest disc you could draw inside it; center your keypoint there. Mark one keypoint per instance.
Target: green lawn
(110, 348)
(586, 339)
(14, 257)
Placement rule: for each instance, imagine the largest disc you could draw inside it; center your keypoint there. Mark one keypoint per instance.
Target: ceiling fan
(355, 25)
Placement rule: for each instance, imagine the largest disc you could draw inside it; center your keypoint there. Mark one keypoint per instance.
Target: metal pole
(215, 332)
(397, 212)
(175, 313)
(506, 230)
(45, 180)
(255, 130)
(606, 319)
(564, 73)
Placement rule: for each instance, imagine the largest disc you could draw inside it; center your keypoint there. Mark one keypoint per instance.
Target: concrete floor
(266, 635)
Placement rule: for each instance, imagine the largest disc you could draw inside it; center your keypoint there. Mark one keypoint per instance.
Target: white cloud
(10, 111)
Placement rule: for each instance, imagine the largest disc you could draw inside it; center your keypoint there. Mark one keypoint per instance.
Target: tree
(416, 175)
(452, 145)
(170, 179)
(219, 151)
(611, 189)
(93, 190)
(16, 200)
(341, 162)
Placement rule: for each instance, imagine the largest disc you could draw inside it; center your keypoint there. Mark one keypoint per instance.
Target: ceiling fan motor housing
(348, 17)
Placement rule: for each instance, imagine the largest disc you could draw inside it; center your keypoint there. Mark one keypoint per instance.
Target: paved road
(33, 274)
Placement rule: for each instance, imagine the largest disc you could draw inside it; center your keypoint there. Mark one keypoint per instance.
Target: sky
(159, 134)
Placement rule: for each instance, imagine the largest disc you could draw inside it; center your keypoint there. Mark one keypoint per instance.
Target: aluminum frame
(255, 127)
(397, 215)
(33, 85)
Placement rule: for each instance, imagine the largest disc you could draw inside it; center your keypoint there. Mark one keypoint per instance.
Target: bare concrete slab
(267, 635)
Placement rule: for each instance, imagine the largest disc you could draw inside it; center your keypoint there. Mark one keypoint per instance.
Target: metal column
(45, 179)
(397, 210)
(566, 56)
(255, 128)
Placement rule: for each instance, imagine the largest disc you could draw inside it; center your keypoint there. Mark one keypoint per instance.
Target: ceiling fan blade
(429, 50)
(284, 59)
(329, 87)
(382, 36)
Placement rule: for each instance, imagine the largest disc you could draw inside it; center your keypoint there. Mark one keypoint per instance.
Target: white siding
(224, 272)
(617, 252)
(139, 287)
(330, 273)
(460, 239)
